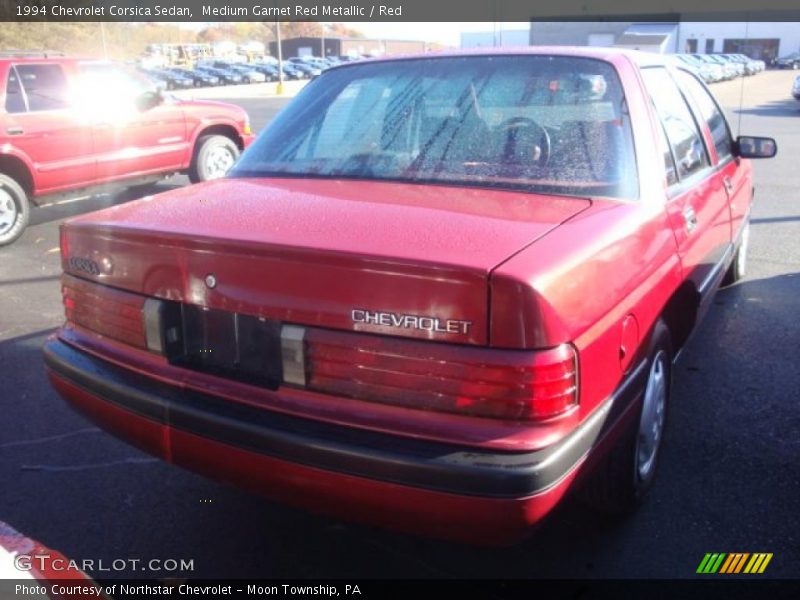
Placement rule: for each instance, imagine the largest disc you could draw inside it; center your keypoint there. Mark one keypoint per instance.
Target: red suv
(69, 124)
(434, 293)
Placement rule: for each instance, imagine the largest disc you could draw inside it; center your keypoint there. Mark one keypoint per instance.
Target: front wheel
(15, 211)
(619, 484)
(214, 156)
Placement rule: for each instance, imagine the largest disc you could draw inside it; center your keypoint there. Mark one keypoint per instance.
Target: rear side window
(45, 86)
(710, 113)
(15, 100)
(679, 125)
(669, 163)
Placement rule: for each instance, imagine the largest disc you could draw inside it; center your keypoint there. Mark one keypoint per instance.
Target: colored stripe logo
(733, 563)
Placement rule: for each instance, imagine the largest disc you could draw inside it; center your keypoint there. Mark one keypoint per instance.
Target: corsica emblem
(86, 265)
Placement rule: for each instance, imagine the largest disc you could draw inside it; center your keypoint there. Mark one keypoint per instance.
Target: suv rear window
(542, 123)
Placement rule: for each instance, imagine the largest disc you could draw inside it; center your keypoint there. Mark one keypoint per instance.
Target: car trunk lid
(400, 259)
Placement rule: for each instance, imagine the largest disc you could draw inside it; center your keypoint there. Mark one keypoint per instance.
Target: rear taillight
(482, 382)
(500, 384)
(106, 311)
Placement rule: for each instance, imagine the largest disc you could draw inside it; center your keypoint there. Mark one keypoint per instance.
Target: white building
(760, 40)
(501, 37)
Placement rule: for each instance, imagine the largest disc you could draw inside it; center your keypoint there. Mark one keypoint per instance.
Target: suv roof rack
(30, 53)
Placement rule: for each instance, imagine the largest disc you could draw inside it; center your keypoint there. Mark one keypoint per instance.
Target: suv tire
(213, 157)
(15, 210)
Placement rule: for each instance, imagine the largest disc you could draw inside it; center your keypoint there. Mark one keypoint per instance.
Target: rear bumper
(412, 485)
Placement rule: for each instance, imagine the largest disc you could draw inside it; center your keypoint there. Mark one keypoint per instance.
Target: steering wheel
(524, 142)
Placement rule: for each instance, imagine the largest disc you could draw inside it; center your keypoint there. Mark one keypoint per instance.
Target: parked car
(151, 81)
(246, 73)
(269, 71)
(291, 72)
(249, 74)
(759, 65)
(750, 67)
(171, 81)
(307, 70)
(729, 71)
(436, 293)
(790, 61)
(226, 76)
(738, 68)
(71, 124)
(198, 78)
(741, 67)
(710, 73)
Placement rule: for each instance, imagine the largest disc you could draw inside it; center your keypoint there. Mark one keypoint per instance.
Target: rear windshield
(540, 123)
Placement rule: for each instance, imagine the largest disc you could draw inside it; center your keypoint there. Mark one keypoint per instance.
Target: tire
(620, 482)
(214, 155)
(15, 210)
(738, 268)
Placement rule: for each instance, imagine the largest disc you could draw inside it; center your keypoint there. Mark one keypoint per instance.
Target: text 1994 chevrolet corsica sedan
(435, 294)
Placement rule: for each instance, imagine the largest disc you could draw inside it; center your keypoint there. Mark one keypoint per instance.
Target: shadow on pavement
(776, 108)
(82, 204)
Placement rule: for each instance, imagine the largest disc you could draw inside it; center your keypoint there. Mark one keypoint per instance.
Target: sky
(448, 34)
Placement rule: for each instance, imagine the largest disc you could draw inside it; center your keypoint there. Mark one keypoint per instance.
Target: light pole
(280, 57)
(103, 36)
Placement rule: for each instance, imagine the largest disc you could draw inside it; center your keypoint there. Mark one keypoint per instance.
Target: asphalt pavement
(728, 482)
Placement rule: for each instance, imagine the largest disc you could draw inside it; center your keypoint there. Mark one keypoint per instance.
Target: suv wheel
(621, 481)
(15, 210)
(214, 156)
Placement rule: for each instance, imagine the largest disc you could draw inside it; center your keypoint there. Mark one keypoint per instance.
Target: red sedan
(432, 295)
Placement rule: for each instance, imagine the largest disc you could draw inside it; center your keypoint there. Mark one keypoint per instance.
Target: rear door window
(710, 113)
(15, 99)
(45, 86)
(681, 130)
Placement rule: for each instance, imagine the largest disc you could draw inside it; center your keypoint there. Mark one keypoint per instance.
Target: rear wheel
(738, 268)
(214, 156)
(621, 481)
(15, 210)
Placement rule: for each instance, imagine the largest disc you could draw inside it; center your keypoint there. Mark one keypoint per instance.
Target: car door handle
(690, 218)
(15, 130)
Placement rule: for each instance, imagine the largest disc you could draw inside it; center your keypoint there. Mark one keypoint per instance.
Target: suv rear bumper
(430, 488)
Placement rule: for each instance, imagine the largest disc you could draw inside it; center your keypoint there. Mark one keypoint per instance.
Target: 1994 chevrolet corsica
(433, 293)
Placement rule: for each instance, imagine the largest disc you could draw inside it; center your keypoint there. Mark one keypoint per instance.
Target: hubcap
(651, 425)
(741, 256)
(8, 211)
(219, 160)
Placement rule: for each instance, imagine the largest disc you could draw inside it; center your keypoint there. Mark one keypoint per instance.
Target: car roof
(43, 57)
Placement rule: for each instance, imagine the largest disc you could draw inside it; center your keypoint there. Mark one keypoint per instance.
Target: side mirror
(755, 147)
(149, 99)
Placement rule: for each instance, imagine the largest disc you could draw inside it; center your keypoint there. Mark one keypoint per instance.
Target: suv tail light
(482, 382)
